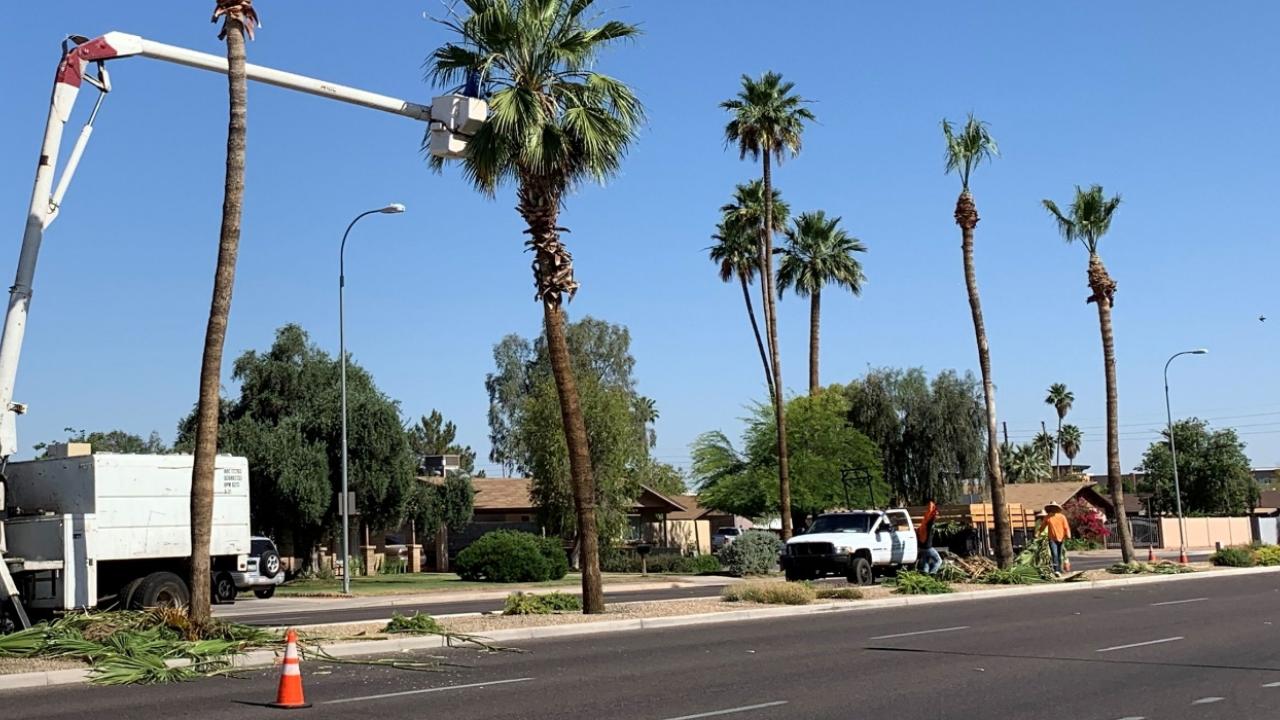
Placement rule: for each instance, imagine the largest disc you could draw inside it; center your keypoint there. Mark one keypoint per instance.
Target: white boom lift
(451, 119)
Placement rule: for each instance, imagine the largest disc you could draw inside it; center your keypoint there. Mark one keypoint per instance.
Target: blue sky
(1168, 103)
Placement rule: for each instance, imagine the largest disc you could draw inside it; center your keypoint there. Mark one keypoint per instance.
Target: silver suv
(262, 573)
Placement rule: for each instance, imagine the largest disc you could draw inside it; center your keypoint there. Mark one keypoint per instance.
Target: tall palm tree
(767, 123)
(1061, 399)
(818, 253)
(1028, 464)
(238, 21)
(554, 123)
(738, 251)
(1086, 221)
(1069, 439)
(967, 147)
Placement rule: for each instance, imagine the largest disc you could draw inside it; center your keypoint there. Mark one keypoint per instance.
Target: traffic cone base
(289, 695)
(1151, 554)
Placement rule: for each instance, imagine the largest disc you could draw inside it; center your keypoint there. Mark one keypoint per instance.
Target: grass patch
(839, 593)
(412, 583)
(522, 603)
(910, 582)
(770, 593)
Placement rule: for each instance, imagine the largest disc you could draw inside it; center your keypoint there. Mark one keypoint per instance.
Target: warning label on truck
(232, 481)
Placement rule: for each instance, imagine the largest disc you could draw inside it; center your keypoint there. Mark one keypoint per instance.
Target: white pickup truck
(859, 545)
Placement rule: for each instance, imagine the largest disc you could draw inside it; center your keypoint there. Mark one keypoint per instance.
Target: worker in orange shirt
(1057, 528)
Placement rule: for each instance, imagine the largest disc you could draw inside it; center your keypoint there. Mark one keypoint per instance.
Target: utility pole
(1005, 424)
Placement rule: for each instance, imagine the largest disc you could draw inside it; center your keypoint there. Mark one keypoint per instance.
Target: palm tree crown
(1071, 438)
(967, 148)
(1027, 464)
(745, 213)
(1061, 399)
(819, 252)
(1044, 443)
(767, 118)
(736, 252)
(1088, 219)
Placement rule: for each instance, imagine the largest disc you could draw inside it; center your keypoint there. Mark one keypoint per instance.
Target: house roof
(692, 511)
(514, 495)
(1037, 495)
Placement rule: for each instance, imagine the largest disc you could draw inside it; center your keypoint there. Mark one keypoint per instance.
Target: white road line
(1208, 700)
(1134, 717)
(1274, 684)
(731, 711)
(1141, 644)
(424, 691)
(921, 632)
(1179, 602)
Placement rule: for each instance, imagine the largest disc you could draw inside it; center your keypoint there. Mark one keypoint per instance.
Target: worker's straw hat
(1050, 507)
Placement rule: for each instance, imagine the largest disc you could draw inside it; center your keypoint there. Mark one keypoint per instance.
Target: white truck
(93, 528)
(858, 545)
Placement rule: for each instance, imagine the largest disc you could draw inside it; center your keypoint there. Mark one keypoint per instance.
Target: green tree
(441, 503)
(1086, 222)
(1060, 399)
(663, 477)
(1044, 443)
(1028, 464)
(819, 253)
(967, 148)
(432, 435)
(1213, 471)
(767, 124)
(1069, 439)
(112, 441)
(554, 123)
(285, 421)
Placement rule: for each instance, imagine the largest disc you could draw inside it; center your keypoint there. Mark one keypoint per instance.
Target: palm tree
(1043, 443)
(1060, 398)
(1069, 439)
(767, 124)
(738, 248)
(819, 252)
(238, 21)
(554, 123)
(1028, 464)
(1088, 220)
(966, 149)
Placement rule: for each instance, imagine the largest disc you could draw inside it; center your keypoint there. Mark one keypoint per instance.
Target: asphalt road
(294, 616)
(1204, 649)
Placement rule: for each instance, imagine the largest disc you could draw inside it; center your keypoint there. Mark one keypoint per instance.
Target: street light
(392, 209)
(1173, 452)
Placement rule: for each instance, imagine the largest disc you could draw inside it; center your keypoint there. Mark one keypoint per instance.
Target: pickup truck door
(905, 548)
(882, 542)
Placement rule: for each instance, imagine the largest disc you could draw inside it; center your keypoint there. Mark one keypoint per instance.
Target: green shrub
(839, 593)
(769, 592)
(508, 556)
(1234, 557)
(951, 572)
(392, 565)
(910, 582)
(1268, 555)
(520, 603)
(552, 548)
(1076, 543)
(755, 552)
(619, 560)
(415, 624)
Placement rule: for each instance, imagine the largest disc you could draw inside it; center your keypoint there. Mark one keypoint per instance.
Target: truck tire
(160, 589)
(860, 572)
(269, 564)
(124, 601)
(224, 588)
(264, 593)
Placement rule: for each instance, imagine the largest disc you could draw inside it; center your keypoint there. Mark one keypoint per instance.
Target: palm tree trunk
(755, 328)
(207, 410)
(815, 311)
(1103, 290)
(967, 218)
(1057, 444)
(771, 325)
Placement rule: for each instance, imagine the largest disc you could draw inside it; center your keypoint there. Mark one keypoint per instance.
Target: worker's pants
(1055, 554)
(932, 561)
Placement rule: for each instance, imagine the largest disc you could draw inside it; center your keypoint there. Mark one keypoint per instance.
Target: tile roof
(514, 494)
(1036, 495)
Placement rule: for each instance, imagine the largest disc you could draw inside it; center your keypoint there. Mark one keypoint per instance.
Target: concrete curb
(266, 658)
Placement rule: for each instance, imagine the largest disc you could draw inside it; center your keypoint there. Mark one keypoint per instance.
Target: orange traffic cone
(289, 696)
(1151, 554)
(1066, 562)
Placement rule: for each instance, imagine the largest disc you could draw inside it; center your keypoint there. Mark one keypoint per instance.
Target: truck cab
(857, 544)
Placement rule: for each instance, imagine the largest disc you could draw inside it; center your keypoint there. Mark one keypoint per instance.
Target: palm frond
(766, 118)
(819, 253)
(1088, 218)
(968, 147)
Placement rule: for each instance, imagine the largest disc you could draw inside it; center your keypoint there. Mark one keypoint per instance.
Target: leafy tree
(819, 253)
(767, 123)
(1088, 219)
(967, 148)
(432, 435)
(1069, 439)
(238, 22)
(1213, 471)
(1060, 399)
(435, 503)
(663, 477)
(1044, 443)
(1028, 464)
(286, 422)
(930, 433)
(112, 441)
(554, 123)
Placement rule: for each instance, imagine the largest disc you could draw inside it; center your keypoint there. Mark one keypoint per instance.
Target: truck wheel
(265, 593)
(860, 572)
(124, 601)
(224, 588)
(793, 575)
(160, 589)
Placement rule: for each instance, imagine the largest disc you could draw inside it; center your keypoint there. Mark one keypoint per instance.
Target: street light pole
(345, 506)
(1173, 452)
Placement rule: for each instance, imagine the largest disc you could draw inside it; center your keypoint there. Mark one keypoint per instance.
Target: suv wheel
(264, 593)
(269, 564)
(224, 588)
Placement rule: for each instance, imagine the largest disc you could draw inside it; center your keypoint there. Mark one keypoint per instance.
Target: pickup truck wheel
(124, 601)
(860, 572)
(265, 593)
(224, 588)
(160, 589)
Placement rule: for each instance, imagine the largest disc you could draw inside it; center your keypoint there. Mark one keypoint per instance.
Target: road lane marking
(1141, 644)
(1134, 717)
(424, 691)
(731, 711)
(921, 632)
(1179, 602)
(1274, 684)
(1208, 700)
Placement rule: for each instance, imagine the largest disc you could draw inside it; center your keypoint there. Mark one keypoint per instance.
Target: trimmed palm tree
(1088, 219)
(554, 123)
(819, 253)
(1069, 439)
(1028, 464)
(738, 248)
(1061, 399)
(238, 22)
(968, 147)
(767, 123)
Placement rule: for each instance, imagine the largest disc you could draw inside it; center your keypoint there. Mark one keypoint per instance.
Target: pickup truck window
(857, 522)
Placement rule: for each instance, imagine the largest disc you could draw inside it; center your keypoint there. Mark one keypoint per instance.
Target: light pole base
(1151, 554)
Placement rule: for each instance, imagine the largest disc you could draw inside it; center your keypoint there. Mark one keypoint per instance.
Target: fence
(1146, 533)
(1206, 532)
